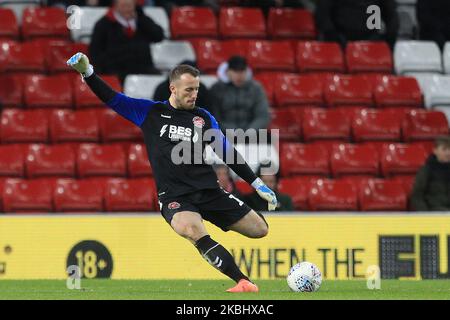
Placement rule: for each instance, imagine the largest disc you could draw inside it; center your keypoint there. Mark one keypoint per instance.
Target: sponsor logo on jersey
(198, 122)
(176, 133)
(173, 205)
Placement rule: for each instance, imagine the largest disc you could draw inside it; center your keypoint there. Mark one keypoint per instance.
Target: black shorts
(214, 205)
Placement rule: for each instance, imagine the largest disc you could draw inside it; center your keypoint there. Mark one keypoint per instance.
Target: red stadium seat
(48, 92)
(12, 160)
(85, 98)
(325, 124)
(9, 28)
(294, 89)
(11, 90)
(288, 121)
(130, 195)
(78, 195)
(211, 53)
(371, 124)
(345, 90)
(398, 158)
(368, 56)
(243, 187)
(267, 80)
(395, 91)
(237, 22)
(98, 160)
(22, 57)
(114, 127)
(317, 56)
(297, 159)
(332, 195)
(354, 159)
(298, 188)
(44, 22)
(407, 182)
(382, 195)
(188, 22)
(428, 145)
(424, 125)
(138, 163)
(28, 195)
(54, 160)
(24, 126)
(291, 23)
(271, 55)
(57, 54)
(2, 185)
(69, 126)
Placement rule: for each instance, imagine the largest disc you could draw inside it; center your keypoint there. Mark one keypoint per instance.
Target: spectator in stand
(237, 100)
(120, 41)
(271, 180)
(432, 16)
(80, 3)
(431, 190)
(162, 91)
(265, 5)
(226, 181)
(346, 20)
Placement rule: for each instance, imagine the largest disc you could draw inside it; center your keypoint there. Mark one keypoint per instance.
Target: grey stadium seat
(446, 58)
(159, 16)
(167, 54)
(417, 56)
(142, 86)
(208, 80)
(88, 18)
(436, 92)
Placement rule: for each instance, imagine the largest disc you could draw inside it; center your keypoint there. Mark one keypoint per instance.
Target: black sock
(219, 258)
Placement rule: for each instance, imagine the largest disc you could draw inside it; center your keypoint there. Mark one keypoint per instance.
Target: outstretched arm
(135, 110)
(237, 163)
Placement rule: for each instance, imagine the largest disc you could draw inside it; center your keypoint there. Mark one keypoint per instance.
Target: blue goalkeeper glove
(80, 62)
(265, 193)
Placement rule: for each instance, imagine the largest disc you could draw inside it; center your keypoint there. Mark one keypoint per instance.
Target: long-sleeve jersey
(175, 141)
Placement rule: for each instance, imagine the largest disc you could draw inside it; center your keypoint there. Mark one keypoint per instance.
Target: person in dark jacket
(271, 180)
(431, 191)
(346, 20)
(432, 16)
(237, 100)
(162, 91)
(120, 41)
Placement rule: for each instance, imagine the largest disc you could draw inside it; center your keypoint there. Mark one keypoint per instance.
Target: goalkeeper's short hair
(181, 69)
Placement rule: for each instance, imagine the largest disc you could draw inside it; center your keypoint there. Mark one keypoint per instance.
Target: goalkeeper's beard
(180, 105)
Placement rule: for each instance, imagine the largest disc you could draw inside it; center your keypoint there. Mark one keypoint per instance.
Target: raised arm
(135, 110)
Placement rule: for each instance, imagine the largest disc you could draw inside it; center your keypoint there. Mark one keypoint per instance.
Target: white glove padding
(80, 62)
(265, 193)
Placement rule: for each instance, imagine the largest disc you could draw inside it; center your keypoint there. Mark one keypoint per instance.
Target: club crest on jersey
(198, 122)
(174, 205)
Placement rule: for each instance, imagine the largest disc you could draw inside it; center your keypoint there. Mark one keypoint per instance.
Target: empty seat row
(303, 56)
(238, 22)
(74, 160)
(62, 125)
(358, 124)
(35, 22)
(339, 159)
(40, 55)
(348, 194)
(56, 91)
(71, 195)
(323, 89)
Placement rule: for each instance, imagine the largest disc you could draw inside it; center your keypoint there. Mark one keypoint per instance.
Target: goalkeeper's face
(185, 91)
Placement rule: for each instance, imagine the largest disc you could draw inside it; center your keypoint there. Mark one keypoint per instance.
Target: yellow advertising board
(410, 246)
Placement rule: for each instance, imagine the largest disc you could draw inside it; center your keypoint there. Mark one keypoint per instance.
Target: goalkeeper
(188, 193)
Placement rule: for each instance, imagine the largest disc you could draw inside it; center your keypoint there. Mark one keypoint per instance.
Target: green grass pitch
(215, 289)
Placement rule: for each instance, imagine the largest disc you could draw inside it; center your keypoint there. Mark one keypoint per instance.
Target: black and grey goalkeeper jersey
(175, 141)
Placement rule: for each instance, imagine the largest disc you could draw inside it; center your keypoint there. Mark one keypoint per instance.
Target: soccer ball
(304, 277)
